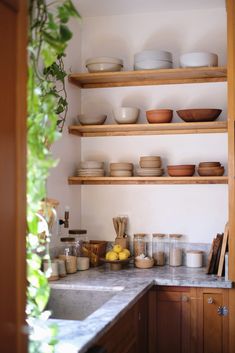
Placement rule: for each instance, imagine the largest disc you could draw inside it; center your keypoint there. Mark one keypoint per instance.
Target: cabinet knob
(210, 300)
(222, 311)
(184, 298)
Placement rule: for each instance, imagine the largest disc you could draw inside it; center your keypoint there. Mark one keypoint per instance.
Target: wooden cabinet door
(130, 333)
(173, 321)
(122, 337)
(212, 327)
(142, 324)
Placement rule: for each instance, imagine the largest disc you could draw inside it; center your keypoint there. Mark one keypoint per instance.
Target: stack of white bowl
(153, 59)
(121, 169)
(198, 59)
(91, 168)
(104, 64)
(150, 166)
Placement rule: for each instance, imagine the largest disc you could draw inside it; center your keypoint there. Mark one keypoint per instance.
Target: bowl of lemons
(117, 257)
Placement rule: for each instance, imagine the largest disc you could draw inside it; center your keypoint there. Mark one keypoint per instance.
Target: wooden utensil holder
(123, 242)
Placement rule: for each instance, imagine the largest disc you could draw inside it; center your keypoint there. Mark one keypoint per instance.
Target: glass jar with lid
(80, 238)
(67, 253)
(159, 249)
(140, 244)
(176, 252)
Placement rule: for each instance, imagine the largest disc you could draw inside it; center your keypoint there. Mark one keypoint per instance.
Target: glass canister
(159, 249)
(80, 238)
(68, 255)
(140, 244)
(176, 252)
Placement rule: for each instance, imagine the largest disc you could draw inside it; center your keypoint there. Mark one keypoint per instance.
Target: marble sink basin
(78, 304)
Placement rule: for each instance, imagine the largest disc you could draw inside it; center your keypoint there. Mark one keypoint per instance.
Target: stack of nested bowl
(91, 168)
(150, 166)
(152, 59)
(210, 169)
(121, 169)
(181, 170)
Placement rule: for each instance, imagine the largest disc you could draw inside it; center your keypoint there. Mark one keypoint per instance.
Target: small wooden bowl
(141, 263)
(116, 265)
(212, 171)
(161, 116)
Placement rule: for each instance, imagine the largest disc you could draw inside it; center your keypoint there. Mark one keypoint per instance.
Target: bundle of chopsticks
(120, 226)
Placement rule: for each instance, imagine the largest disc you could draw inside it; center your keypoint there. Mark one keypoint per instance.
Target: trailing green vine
(47, 110)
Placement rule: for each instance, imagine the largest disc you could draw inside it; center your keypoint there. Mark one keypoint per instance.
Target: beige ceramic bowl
(126, 115)
(121, 166)
(150, 163)
(150, 158)
(121, 173)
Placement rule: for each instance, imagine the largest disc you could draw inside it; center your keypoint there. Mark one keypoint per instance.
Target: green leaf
(65, 33)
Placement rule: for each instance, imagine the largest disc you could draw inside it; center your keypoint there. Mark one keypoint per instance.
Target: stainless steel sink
(78, 304)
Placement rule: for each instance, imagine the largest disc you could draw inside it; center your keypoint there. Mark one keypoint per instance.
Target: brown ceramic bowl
(199, 115)
(181, 172)
(181, 166)
(157, 116)
(209, 164)
(216, 171)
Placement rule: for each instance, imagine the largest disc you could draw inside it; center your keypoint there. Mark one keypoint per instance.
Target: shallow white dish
(103, 67)
(153, 55)
(152, 65)
(91, 119)
(104, 59)
(126, 115)
(198, 59)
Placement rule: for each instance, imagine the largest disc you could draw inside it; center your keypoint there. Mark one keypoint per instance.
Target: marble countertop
(129, 285)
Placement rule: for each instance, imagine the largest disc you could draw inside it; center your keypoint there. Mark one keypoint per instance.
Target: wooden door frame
(13, 332)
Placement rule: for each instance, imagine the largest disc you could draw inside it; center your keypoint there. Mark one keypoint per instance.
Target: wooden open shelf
(148, 129)
(149, 77)
(146, 180)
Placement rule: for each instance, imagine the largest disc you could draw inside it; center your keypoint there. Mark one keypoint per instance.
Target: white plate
(91, 165)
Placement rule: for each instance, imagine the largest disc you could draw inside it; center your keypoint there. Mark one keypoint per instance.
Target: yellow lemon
(117, 248)
(123, 255)
(127, 252)
(107, 255)
(112, 256)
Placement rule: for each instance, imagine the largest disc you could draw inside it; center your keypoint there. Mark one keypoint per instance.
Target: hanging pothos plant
(47, 109)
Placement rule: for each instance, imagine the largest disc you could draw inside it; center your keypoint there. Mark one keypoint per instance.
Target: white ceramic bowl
(153, 55)
(104, 64)
(126, 115)
(91, 119)
(152, 65)
(104, 59)
(198, 59)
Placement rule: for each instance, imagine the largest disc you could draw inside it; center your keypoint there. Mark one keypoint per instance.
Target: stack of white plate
(121, 169)
(150, 166)
(153, 59)
(91, 168)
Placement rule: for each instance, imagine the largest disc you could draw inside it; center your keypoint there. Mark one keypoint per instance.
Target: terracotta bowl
(181, 166)
(213, 171)
(157, 116)
(181, 171)
(209, 164)
(199, 115)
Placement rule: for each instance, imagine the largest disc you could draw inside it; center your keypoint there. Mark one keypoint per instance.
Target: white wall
(68, 148)
(197, 211)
